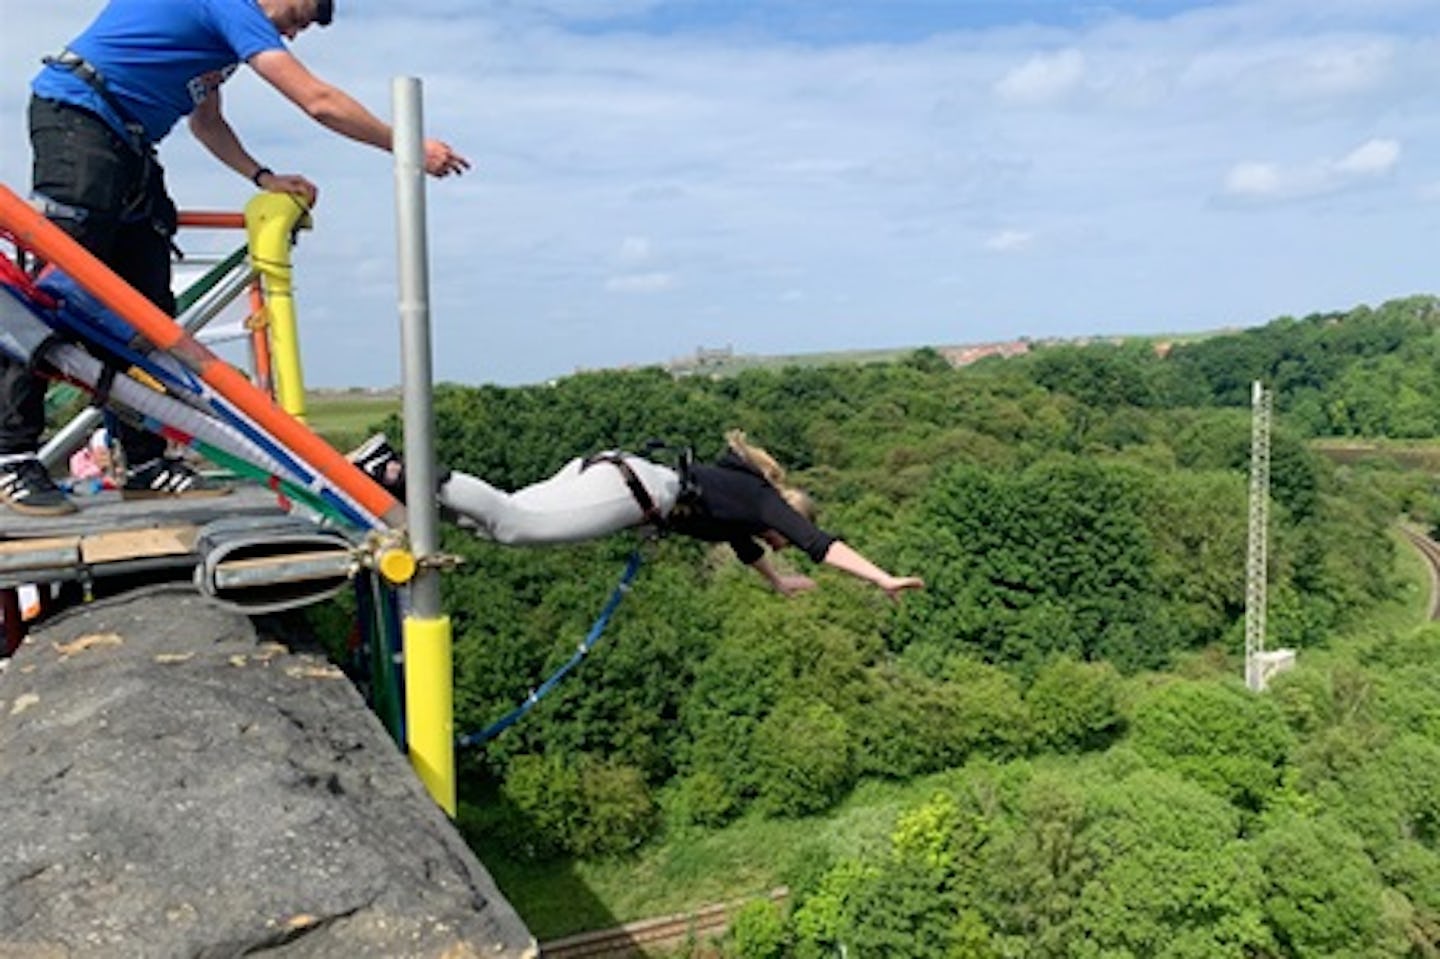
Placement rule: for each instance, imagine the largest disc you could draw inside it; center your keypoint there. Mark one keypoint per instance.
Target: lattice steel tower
(1258, 550)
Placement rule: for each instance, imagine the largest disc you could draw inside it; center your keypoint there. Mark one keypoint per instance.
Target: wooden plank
(138, 544)
(106, 512)
(51, 553)
(18, 547)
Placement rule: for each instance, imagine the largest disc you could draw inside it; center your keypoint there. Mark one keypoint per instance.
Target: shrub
(801, 758)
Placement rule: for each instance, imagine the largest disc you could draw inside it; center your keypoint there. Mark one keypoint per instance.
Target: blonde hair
(774, 473)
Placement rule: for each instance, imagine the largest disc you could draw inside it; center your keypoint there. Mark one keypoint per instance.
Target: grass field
(346, 418)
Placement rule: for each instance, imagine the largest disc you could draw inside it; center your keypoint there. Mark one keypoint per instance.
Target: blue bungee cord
(591, 638)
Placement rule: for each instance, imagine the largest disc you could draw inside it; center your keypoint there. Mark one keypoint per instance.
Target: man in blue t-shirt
(97, 110)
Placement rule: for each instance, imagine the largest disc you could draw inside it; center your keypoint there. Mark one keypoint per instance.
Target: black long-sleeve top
(734, 504)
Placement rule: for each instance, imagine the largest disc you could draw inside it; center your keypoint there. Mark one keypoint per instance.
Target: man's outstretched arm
(335, 109)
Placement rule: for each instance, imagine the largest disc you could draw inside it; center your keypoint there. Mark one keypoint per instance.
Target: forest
(1067, 691)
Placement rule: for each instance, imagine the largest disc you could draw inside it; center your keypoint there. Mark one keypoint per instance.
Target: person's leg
(80, 168)
(141, 257)
(25, 485)
(114, 203)
(22, 409)
(573, 505)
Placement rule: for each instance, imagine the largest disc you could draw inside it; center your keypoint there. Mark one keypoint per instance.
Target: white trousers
(566, 508)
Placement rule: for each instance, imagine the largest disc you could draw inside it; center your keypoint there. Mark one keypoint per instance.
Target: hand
(895, 585)
(790, 584)
(441, 160)
(292, 183)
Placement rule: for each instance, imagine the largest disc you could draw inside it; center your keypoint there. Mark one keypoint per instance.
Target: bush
(589, 808)
(701, 799)
(1075, 706)
(758, 931)
(617, 810)
(1228, 740)
(801, 758)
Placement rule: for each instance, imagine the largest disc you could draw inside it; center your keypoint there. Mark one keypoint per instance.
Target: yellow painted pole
(270, 220)
(430, 706)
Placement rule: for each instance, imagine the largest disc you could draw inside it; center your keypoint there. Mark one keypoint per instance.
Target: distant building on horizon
(965, 355)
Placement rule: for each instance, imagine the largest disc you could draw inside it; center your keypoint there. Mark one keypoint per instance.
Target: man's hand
(292, 183)
(441, 160)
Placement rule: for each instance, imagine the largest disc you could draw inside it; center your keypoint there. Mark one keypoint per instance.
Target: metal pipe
(414, 282)
(429, 672)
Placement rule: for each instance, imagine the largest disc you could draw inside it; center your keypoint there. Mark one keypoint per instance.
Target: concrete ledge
(173, 782)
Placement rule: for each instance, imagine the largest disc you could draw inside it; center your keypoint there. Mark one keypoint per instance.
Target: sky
(795, 176)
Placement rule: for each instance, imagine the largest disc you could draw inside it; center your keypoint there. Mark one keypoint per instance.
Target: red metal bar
(212, 219)
(260, 340)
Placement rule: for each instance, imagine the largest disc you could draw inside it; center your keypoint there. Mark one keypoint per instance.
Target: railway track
(651, 936)
(1430, 551)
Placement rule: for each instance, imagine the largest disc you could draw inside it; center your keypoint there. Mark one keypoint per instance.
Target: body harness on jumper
(653, 516)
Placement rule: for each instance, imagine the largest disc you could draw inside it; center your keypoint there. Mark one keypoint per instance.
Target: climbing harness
(588, 643)
(646, 502)
(90, 75)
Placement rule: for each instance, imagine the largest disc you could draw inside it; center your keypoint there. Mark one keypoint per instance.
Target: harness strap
(89, 73)
(642, 496)
(101, 397)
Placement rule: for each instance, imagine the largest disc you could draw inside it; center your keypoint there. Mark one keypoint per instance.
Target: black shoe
(166, 478)
(26, 487)
(377, 459)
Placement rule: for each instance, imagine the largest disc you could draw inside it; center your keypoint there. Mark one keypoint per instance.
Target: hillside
(1070, 675)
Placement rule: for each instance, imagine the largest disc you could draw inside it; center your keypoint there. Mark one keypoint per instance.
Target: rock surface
(175, 783)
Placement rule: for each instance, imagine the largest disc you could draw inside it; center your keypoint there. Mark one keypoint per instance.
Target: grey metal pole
(414, 277)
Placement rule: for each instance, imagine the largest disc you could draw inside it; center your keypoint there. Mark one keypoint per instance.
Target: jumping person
(97, 110)
(743, 499)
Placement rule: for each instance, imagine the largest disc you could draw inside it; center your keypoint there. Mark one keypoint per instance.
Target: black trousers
(123, 215)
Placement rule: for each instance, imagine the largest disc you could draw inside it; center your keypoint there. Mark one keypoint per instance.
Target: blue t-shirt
(160, 58)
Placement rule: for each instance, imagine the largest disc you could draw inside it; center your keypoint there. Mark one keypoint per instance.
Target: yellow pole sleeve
(429, 706)
(270, 220)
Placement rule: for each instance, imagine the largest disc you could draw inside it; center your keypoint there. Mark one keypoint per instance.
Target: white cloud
(640, 283)
(1008, 241)
(1269, 181)
(634, 249)
(1043, 79)
(1372, 158)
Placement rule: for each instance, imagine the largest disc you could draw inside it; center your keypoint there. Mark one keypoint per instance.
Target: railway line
(652, 936)
(1429, 550)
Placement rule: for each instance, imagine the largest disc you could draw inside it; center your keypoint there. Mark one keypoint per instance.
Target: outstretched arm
(786, 584)
(334, 108)
(842, 557)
